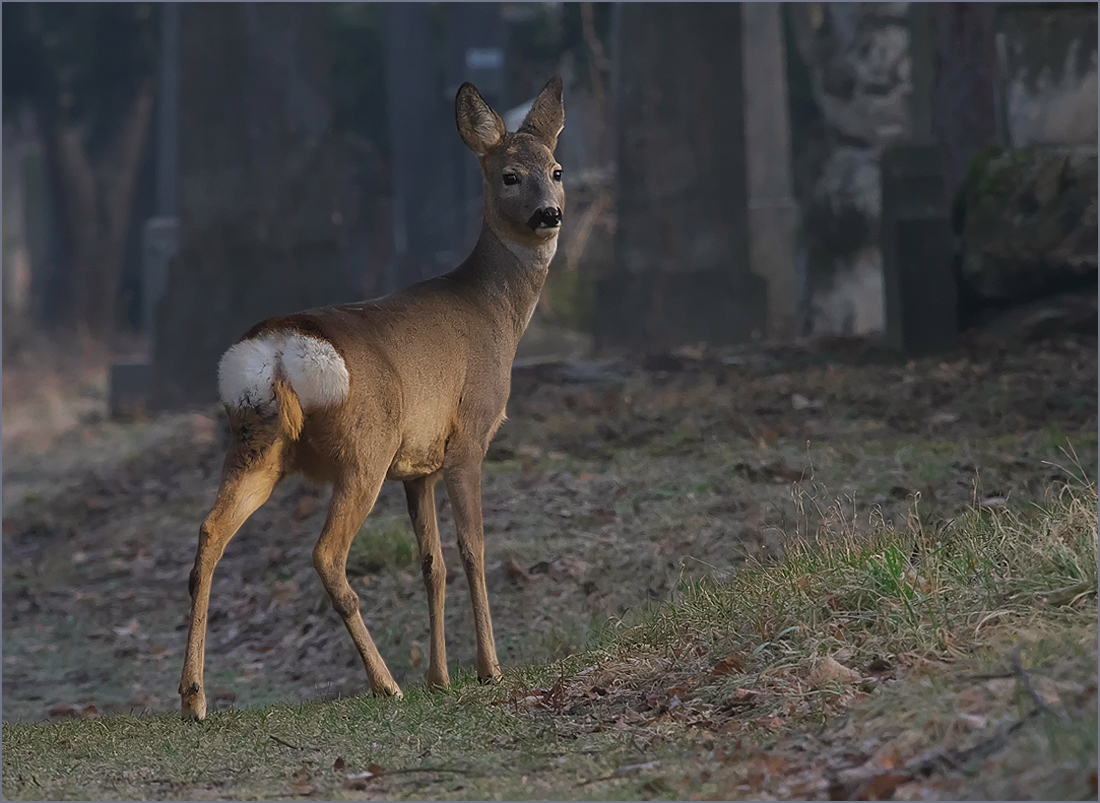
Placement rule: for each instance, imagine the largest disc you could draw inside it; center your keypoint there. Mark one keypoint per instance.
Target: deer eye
(510, 179)
(557, 174)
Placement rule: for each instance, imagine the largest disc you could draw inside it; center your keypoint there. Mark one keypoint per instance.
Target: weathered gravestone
(918, 248)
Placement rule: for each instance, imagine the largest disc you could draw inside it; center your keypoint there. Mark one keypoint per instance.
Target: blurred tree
(361, 113)
(86, 71)
(964, 59)
(358, 68)
(681, 240)
(266, 203)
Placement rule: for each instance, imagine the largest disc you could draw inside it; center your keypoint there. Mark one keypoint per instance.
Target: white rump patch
(311, 365)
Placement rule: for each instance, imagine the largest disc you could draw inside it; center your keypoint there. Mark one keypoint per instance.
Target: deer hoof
(488, 679)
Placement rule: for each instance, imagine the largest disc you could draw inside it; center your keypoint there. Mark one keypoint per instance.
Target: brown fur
(429, 371)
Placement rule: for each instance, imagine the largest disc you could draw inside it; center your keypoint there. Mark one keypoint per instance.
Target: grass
(889, 592)
(700, 696)
(382, 542)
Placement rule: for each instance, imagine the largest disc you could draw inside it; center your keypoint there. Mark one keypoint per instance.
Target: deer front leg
(464, 489)
(420, 495)
(240, 495)
(349, 507)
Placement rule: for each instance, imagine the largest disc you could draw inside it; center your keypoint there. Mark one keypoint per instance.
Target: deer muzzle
(548, 217)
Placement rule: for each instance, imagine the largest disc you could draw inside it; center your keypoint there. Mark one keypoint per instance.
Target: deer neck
(508, 276)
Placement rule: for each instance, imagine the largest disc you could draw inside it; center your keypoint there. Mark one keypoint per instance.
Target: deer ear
(479, 126)
(547, 116)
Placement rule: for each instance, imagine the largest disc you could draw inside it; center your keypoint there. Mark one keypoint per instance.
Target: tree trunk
(681, 246)
(99, 197)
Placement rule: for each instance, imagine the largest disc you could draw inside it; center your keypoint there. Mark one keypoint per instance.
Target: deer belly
(416, 460)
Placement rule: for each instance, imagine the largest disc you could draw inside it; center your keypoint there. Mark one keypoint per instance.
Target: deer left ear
(547, 116)
(479, 126)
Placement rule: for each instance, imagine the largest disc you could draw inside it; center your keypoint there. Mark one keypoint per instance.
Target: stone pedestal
(918, 249)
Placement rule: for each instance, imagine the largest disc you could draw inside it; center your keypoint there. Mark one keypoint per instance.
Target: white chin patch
(531, 257)
(313, 368)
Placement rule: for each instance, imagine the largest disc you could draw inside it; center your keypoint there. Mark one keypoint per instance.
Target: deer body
(411, 387)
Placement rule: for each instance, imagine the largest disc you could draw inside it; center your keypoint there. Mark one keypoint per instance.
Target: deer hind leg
(420, 495)
(247, 482)
(464, 489)
(349, 507)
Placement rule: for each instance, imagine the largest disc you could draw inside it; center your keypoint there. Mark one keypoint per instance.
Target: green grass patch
(383, 542)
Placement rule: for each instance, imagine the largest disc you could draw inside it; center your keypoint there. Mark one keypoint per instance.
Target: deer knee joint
(345, 602)
(468, 556)
(429, 568)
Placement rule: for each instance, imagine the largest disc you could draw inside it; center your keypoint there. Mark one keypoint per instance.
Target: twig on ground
(989, 676)
(1040, 704)
(956, 759)
(285, 743)
(623, 772)
(407, 770)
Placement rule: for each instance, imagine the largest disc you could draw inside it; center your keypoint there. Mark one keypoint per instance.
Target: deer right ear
(479, 126)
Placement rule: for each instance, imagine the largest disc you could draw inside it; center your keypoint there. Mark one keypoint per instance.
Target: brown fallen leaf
(605, 515)
(731, 663)
(358, 781)
(829, 670)
(73, 710)
(514, 572)
(881, 786)
(879, 665)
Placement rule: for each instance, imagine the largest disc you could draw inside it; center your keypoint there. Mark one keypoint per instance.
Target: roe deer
(409, 387)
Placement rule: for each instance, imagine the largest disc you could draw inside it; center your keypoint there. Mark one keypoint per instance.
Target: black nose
(551, 216)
